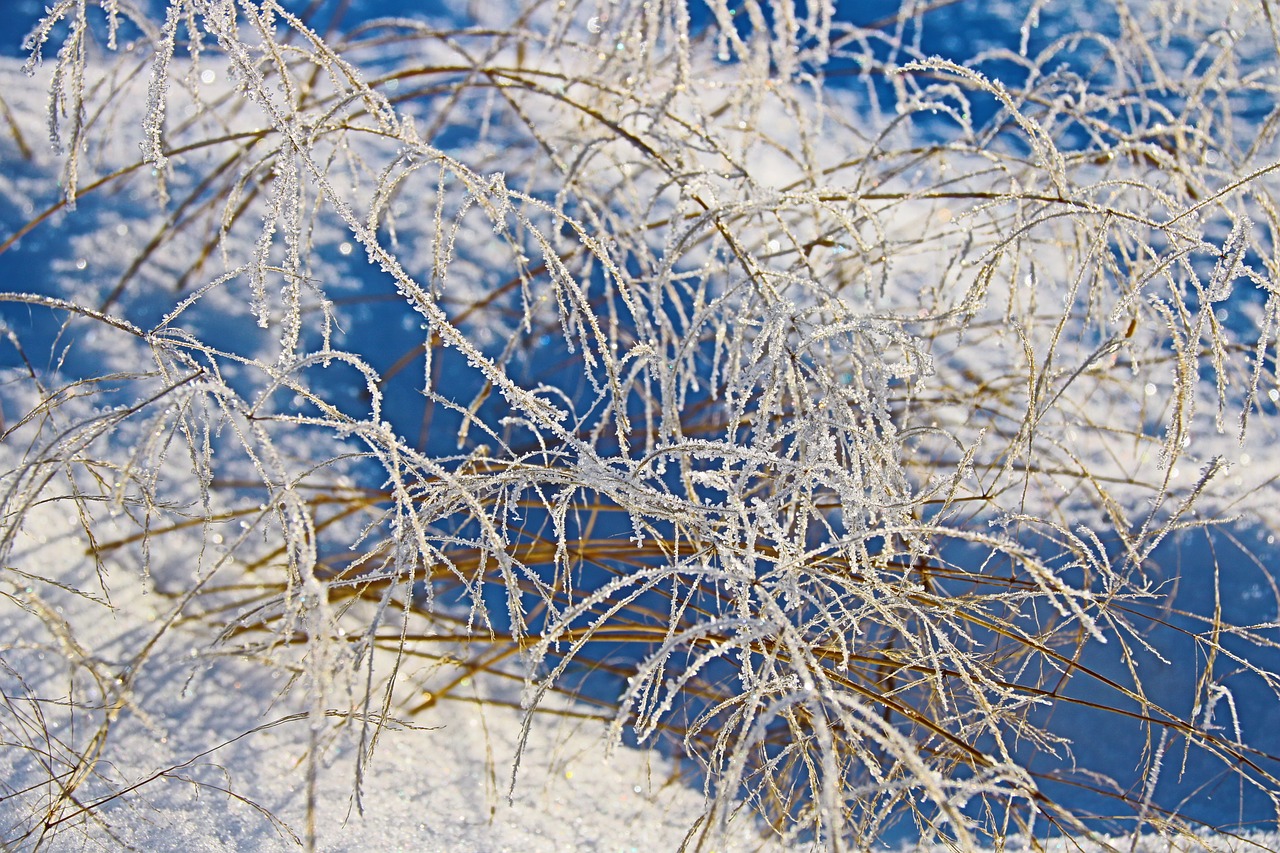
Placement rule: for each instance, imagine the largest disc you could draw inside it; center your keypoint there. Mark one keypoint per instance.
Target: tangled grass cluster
(820, 399)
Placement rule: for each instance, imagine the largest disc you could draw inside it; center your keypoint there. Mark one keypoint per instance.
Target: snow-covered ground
(143, 706)
(209, 756)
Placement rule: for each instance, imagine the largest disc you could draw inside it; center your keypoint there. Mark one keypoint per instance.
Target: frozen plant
(826, 403)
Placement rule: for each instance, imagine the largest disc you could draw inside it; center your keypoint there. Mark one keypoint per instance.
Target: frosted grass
(843, 441)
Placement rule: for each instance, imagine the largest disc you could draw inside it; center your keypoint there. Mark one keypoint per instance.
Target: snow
(182, 667)
(207, 753)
